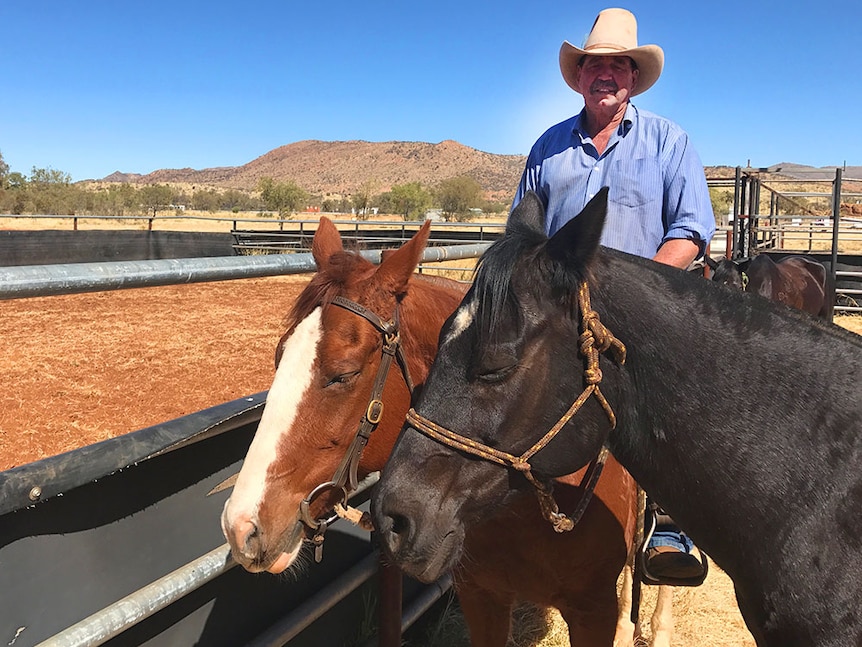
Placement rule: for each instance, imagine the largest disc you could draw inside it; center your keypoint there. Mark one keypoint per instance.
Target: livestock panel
(83, 529)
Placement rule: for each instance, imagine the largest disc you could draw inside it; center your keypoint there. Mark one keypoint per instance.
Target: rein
(345, 480)
(593, 340)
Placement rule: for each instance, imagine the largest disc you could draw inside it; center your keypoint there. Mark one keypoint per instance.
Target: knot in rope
(521, 466)
(593, 375)
(596, 338)
(587, 347)
(587, 343)
(561, 523)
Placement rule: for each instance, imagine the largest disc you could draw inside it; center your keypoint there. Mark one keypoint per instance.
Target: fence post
(836, 218)
(389, 611)
(738, 198)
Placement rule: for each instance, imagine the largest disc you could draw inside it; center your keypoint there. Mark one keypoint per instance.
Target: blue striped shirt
(657, 185)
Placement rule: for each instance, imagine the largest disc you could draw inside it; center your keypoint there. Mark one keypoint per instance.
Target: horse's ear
(528, 214)
(327, 241)
(576, 242)
(712, 263)
(398, 265)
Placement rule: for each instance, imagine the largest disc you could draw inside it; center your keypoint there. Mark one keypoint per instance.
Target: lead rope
(593, 340)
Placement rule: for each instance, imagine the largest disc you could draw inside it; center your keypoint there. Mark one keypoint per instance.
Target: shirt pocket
(636, 182)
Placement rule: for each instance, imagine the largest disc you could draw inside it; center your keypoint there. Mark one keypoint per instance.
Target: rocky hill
(342, 167)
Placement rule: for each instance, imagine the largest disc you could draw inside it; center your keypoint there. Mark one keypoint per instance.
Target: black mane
(492, 286)
(523, 250)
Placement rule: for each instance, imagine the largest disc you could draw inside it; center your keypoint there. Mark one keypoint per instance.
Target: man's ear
(635, 76)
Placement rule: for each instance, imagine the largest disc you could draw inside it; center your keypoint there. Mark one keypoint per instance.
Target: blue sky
(93, 87)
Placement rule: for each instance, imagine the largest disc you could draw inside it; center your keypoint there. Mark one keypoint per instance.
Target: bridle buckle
(374, 411)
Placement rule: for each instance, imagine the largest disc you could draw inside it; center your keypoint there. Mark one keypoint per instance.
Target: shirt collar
(624, 128)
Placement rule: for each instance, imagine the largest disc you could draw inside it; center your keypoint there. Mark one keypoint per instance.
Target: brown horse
(328, 381)
(795, 281)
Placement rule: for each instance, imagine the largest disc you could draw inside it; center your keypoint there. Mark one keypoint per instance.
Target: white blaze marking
(463, 318)
(292, 378)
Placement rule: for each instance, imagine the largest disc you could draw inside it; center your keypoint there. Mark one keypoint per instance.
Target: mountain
(342, 167)
(802, 172)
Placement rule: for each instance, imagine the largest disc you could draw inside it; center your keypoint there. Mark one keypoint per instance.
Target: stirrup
(643, 572)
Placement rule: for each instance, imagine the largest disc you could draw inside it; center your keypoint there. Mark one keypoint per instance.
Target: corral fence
(118, 543)
(819, 217)
(71, 243)
(296, 235)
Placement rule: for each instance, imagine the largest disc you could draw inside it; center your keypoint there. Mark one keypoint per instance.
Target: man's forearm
(678, 252)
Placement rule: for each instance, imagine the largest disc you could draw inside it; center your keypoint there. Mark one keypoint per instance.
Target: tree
(117, 200)
(233, 200)
(284, 197)
(205, 200)
(51, 191)
(155, 197)
(410, 200)
(457, 196)
(4, 172)
(722, 202)
(362, 199)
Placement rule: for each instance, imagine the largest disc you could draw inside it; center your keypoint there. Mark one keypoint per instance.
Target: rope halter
(593, 340)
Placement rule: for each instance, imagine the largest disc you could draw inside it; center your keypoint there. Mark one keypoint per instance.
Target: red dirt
(79, 369)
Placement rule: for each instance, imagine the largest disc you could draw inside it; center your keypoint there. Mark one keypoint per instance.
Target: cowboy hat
(615, 33)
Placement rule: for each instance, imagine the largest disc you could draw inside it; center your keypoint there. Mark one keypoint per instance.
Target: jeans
(671, 536)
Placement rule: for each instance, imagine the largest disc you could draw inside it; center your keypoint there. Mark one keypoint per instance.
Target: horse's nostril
(396, 532)
(252, 532)
(400, 525)
(246, 537)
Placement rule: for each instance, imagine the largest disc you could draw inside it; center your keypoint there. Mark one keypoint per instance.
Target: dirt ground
(83, 368)
(79, 369)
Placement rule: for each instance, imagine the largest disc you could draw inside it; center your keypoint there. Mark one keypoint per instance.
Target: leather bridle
(593, 340)
(345, 480)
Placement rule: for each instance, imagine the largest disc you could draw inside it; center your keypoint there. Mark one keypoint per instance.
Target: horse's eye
(494, 375)
(495, 364)
(343, 378)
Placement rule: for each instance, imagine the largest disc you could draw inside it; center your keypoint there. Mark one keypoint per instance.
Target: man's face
(606, 81)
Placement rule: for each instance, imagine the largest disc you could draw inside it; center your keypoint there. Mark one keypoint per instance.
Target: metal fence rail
(123, 614)
(74, 278)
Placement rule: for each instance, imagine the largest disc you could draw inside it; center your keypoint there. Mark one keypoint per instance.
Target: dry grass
(194, 221)
(190, 220)
(852, 323)
(705, 616)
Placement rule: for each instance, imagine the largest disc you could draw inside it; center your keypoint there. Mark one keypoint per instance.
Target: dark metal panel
(64, 472)
(20, 247)
(96, 542)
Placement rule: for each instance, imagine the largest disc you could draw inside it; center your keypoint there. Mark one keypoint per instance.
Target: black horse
(742, 417)
(796, 281)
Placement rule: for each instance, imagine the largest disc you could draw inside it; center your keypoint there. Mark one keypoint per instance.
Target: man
(658, 205)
